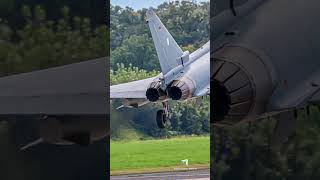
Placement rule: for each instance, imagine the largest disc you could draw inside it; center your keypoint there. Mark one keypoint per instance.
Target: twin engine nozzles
(180, 89)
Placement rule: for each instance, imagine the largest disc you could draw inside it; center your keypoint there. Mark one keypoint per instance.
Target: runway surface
(203, 174)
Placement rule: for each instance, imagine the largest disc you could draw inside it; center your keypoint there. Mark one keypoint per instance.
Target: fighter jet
(183, 76)
(265, 62)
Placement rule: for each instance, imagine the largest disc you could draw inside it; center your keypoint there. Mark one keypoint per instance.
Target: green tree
(131, 41)
(138, 51)
(42, 43)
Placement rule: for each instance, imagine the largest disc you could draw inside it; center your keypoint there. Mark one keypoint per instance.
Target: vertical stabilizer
(167, 48)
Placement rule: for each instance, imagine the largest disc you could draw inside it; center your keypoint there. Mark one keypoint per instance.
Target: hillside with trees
(133, 57)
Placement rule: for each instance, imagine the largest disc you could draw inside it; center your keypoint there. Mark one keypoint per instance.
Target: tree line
(96, 10)
(41, 42)
(131, 41)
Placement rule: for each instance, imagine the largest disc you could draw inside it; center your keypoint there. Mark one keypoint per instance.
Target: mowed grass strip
(159, 153)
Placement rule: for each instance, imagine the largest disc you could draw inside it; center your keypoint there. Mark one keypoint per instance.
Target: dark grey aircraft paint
(58, 106)
(69, 103)
(74, 89)
(265, 60)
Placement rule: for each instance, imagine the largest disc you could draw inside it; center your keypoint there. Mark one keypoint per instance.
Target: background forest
(37, 34)
(133, 57)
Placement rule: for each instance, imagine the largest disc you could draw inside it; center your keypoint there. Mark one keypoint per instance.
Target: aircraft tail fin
(167, 48)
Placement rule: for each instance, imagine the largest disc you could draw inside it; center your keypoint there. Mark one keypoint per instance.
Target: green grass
(158, 154)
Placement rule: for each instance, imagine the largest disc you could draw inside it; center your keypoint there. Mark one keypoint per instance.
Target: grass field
(150, 155)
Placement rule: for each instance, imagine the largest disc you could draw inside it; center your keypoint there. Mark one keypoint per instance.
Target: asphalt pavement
(203, 174)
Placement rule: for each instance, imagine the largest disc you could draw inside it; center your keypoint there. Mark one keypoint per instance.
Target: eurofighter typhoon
(183, 76)
(265, 62)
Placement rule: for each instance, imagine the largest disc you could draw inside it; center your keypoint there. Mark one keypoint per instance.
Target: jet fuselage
(265, 59)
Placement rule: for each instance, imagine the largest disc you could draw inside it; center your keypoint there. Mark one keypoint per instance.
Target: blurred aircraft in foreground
(68, 102)
(265, 62)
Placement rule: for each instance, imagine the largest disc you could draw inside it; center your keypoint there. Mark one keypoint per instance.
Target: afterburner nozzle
(181, 89)
(154, 92)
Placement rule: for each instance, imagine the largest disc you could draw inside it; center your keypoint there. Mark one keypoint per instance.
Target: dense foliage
(41, 42)
(131, 41)
(133, 57)
(249, 151)
(95, 10)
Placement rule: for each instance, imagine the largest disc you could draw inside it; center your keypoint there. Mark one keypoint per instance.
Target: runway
(203, 174)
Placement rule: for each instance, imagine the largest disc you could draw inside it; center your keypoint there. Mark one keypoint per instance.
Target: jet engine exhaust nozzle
(181, 89)
(154, 92)
(241, 85)
(232, 93)
(175, 93)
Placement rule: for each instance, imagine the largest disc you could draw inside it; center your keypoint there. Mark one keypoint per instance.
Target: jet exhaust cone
(152, 94)
(220, 101)
(232, 93)
(181, 89)
(175, 93)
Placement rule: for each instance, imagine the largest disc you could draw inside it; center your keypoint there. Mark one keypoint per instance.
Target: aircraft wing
(135, 89)
(203, 92)
(302, 94)
(315, 98)
(74, 89)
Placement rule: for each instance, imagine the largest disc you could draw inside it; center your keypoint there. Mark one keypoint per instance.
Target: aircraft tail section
(167, 48)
